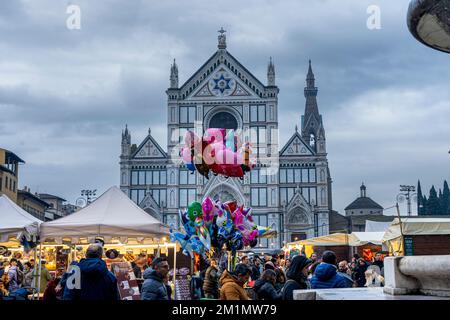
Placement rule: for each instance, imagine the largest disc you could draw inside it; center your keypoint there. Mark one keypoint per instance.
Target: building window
(148, 177)
(258, 176)
(160, 196)
(188, 114)
(186, 197)
(286, 195)
(187, 178)
(137, 195)
(258, 140)
(223, 120)
(259, 197)
(261, 220)
(258, 113)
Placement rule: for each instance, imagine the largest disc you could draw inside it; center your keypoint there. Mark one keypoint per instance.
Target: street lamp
(406, 192)
(87, 196)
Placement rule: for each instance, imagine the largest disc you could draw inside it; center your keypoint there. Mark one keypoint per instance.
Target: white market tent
(354, 239)
(377, 226)
(369, 237)
(417, 226)
(15, 222)
(112, 216)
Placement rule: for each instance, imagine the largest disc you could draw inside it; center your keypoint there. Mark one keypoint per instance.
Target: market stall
(342, 244)
(117, 221)
(418, 236)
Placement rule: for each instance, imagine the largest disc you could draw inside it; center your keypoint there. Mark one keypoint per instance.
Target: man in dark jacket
(96, 281)
(297, 276)
(211, 282)
(153, 287)
(326, 275)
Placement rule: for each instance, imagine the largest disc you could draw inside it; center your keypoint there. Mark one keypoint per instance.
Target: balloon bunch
(212, 225)
(219, 152)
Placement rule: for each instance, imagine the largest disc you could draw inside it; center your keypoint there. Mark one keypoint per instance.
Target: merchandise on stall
(126, 281)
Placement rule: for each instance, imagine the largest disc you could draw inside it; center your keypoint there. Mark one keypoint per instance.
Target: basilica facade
(290, 187)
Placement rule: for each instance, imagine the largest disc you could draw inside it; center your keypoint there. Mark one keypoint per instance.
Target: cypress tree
(433, 204)
(446, 199)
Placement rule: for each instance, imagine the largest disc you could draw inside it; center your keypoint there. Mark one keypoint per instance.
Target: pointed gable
(149, 149)
(222, 76)
(296, 147)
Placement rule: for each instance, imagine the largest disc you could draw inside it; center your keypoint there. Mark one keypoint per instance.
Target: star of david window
(222, 84)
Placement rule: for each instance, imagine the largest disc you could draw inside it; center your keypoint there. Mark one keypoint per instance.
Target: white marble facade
(289, 190)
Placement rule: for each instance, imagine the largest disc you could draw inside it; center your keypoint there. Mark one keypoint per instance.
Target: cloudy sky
(65, 95)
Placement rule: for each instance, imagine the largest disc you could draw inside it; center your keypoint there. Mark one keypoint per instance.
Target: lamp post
(406, 192)
(87, 196)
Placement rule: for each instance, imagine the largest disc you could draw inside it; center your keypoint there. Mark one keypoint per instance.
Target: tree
(445, 203)
(433, 205)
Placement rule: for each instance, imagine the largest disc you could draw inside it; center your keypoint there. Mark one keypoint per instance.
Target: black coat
(266, 290)
(211, 282)
(153, 287)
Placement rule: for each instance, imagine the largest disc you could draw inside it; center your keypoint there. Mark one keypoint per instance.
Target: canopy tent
(112, 216)
(377, 226)
(354, 239)
(334, 239)
(16, 222)
(417, 226)
(368, 237)
(393, 238)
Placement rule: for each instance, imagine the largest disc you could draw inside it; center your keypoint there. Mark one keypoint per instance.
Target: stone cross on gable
(222, 39)
(149, 147)
(296, 144)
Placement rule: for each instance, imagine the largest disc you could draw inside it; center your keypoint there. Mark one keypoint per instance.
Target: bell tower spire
(174, 75)
(271, 73)
(312, 126)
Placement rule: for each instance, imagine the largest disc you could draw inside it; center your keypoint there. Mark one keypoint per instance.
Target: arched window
(223, 120)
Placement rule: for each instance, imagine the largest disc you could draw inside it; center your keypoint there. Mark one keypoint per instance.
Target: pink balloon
(207, 208)
(186, 153)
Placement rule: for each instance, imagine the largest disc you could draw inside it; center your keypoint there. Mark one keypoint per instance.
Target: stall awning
(369, 237)
(112, 215)
(354, 239)
(334, 239)
(418, 226)
(14, 221)
(377, 226)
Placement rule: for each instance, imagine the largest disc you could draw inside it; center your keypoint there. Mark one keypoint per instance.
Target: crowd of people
(253, 278)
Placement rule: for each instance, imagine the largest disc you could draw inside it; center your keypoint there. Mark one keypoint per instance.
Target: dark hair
(28, 264)
(243, 257)
(280, 273)
(157, 261)
(268, 265)
(268, 275)
(13, 260)
(329, 257)
(94, 250)
(241, 270)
